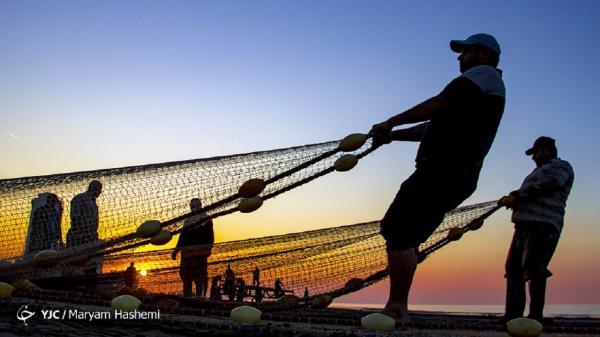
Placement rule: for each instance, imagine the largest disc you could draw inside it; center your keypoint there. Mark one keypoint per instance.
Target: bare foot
(397, 312)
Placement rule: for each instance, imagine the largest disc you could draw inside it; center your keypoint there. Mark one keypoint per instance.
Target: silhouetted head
(476, 50)
(195, 204)
(95, 188)
(52, 199)
(543, 150)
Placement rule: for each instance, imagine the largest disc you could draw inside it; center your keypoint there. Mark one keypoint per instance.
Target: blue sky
(88, 85)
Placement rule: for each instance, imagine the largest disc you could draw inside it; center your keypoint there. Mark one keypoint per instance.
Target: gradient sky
(89, 85)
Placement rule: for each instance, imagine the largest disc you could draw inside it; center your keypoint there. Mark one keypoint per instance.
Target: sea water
(551, 310)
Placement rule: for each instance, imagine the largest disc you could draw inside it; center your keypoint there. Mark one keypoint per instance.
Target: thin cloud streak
(13, 136)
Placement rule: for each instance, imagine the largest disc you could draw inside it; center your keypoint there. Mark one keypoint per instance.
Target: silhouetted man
(460, 126)
(195, 243)
(84, 216)
(44, 224)
(538, 214)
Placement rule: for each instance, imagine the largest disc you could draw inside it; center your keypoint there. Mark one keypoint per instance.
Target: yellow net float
(125, 303)
(475, 225)
(162, 238)
(352, 142)
(455, 234)
(249, 205)
(22, 284)
(251, 188)
(524, 327)
(46, 258)
(245, 315)
(345, 163)
(6, 290)
(378, 322)
(321, 301)
(148, 229)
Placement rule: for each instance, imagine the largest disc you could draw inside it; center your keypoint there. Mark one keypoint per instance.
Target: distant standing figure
(195, 243)
(84, 216)
(278, 291)
(256, 277)
(241, 289)
(258, 294)
(538, 214)
(229, 286)
(305, 292)
(215, 292)
(45, 224)
(131, 276)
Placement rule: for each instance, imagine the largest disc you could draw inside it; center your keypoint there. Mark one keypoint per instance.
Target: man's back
(544, 194)
(84, 220)
(466, 131)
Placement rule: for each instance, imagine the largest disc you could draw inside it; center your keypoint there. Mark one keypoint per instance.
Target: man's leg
(537, 295)
(515, 283)
(401, 267)
(187, 287)
(199, 285)
(515, 298)
(540, 249)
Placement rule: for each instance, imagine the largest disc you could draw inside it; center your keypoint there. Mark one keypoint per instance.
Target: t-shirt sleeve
(487, 78)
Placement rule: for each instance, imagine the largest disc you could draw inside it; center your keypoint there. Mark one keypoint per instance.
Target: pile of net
(40, 216)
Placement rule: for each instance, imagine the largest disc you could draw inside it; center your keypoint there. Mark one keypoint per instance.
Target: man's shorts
(423, 200)
(531, 250)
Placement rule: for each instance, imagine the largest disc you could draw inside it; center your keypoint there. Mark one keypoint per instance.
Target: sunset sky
(88, 85)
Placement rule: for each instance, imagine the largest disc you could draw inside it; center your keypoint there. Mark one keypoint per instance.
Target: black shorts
(423, 200)
(531, 250)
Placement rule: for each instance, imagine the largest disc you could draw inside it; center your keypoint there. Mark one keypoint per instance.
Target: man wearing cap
(538, 214)
(456, 130)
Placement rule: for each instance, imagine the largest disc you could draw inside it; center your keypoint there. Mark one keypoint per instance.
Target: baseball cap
(541, 142)
(480, 39)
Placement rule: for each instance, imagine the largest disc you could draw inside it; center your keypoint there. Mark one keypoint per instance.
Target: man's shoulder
(487, 78)
(563, 164)
(81, 197)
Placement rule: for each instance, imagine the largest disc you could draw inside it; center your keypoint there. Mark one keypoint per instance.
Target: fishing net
(92, 226)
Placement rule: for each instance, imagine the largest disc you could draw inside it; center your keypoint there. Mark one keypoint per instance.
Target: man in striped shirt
(538, 213)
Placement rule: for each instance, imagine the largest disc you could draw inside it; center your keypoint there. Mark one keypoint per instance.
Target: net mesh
(59, 212)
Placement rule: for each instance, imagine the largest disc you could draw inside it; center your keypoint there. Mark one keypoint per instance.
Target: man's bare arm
(419, 113)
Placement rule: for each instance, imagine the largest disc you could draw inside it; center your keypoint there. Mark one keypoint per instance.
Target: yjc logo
(23, 314)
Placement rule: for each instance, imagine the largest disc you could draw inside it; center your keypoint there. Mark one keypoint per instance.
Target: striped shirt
(543, 194)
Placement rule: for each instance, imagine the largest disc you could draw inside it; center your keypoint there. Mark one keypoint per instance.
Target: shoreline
(552, 310)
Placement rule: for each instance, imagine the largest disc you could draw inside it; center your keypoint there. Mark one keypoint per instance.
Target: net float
(148, 229)
(524, 327)
(352, 142)
(249, 205)
(378, 322)
(6, 290)
(251, 188)
(46, 258)
(125, 303)
(162, 238)
(245, 315)
(345, 163)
